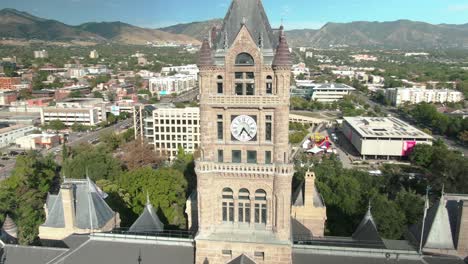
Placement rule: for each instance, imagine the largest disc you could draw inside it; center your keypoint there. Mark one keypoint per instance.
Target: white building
(344, 73)
(41, 54)
(168, 128)
(330, 92)
(38, 141)
(76, 72)
(309, 54)
(191, 69)
(382, 137)
(364, 57)
(85, 111)
(167, 85)
(398, 96)
(299, 69)
(84, 116)
(8, 135)
(94, 54)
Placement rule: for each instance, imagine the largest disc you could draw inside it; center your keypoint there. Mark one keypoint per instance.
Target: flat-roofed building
(383, 137)
(9, 83)
(87, 116)
(331, 92)
(38, 141)
(168, 128)
(9, 134)
(7, 97)
(398, 96)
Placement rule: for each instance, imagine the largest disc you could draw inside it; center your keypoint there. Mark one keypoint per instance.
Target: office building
(383, 137)
(330, 92)
(190, 69)
(168, 128)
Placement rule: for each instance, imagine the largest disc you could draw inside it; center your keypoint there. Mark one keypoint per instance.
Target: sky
(295, 14)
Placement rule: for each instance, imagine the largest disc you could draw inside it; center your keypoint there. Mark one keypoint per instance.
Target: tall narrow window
(252, 156)
(260, 214)
(268, 127)
(267, 157)
(244, 206)
(220, 127)
(220, 84)
(236, 156)
(228, 205)
(269, 85)
(220, 155)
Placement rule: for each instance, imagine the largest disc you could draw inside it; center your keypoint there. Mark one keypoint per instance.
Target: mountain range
(21, 25)
(401, 34)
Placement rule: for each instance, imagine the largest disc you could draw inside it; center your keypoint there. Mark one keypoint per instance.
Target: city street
(73, 140)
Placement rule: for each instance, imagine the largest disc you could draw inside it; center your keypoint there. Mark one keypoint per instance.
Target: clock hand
(243, 130)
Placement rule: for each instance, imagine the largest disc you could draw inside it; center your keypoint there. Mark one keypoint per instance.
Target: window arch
(228, 205)
(269, 84)
(244, 206)
(260, 214)
(244, 59)
(220, 84)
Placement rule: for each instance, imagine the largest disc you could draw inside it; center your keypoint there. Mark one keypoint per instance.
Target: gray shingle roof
(242, 259)
(252, 14)
(14, 254)
(367, 230)
(90, 207)
(309, 258)
(148, 221)
(440, 227)
(116, 252)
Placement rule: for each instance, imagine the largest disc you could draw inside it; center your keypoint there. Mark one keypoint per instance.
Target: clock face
(244, 128)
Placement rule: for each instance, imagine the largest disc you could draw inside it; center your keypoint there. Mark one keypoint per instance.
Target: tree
(389, 217)
(411, 204)
(463, 136)
(75, 94)
(137, 154)
(24, 193)
(56, 125)
(98, 94)
(421, 155)
(96, 161)
(111, 119)
(166, 188)
(110, 140)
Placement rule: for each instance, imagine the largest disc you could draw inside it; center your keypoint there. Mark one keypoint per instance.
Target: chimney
(309, 189)
(68, 202)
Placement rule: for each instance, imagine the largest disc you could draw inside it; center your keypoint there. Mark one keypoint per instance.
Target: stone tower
(244, 172)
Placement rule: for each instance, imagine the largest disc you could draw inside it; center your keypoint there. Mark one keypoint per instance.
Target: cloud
(458, 8)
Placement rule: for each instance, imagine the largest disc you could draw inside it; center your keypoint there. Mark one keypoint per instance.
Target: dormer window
(244, 59)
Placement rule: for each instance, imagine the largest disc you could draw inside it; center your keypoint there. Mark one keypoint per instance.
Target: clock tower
(244, 172)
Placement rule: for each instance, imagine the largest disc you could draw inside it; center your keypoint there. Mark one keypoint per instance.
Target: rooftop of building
(418, 89)
(91, 211)
(384, 127)
(13, 128)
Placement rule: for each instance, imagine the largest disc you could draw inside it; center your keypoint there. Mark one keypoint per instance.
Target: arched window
(269, 85)
(228, 205)
(220, 84)
(260, 215)
(244, 206)
(244, 59)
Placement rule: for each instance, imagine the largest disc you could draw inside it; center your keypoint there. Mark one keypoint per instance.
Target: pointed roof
(91, 211)
(242, 259)
(367, 229)
(282, 56)
(439, 234)
(148, 221)
(205, 58)
(298, 197)
(251, 14)
(9, 227)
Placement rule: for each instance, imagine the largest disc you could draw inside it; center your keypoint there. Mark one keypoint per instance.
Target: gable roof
(298, 198)
(251, 14)
(148, 221)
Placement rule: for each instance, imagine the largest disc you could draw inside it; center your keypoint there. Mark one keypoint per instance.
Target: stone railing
(241, 100)
(243, 168)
